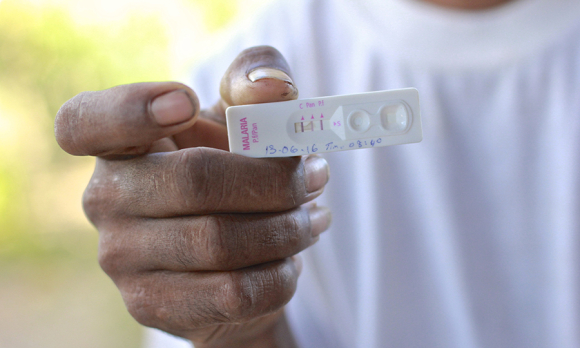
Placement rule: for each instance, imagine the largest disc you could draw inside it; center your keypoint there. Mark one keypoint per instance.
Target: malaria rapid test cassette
(325, 124)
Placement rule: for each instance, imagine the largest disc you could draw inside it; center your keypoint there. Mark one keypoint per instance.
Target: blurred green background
(52, 292)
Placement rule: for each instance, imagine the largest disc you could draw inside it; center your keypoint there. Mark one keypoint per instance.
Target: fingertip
(298, 263)
(258, 75)
(320, 219)
(316, 173)
(62, 124)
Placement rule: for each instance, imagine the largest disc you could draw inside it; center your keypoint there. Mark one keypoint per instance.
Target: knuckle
(281, 233)
(184, 247)
(155, 306)
(276, 184)
(193, 182)
(237, 300)
(289, 184)
(221, 246)
(101, 195)
(92, 202)
(112, 254)
(140, 314)
(249, 295)
(293, 226)
(168, 308)
(142, 307)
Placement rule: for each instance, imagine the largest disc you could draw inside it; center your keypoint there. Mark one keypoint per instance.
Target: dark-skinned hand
(200, 242)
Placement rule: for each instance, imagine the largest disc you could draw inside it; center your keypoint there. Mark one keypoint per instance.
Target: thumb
(258, 75)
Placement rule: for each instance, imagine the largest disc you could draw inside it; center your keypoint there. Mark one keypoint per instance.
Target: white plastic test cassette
(326, 124)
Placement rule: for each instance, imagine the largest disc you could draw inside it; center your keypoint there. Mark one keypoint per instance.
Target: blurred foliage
(217, 13)
(52, 293)
(45, 59)
(53, 58)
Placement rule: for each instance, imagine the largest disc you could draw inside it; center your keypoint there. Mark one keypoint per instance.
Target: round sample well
(359, 121)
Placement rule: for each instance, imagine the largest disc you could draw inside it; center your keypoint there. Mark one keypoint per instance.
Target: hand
(200, 242)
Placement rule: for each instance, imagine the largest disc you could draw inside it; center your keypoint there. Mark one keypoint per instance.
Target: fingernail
(298, 263)
(316, 173)
(320, 219)
(172, 108)
(269, 73)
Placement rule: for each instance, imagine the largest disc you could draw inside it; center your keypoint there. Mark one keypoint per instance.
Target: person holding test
(467, 239)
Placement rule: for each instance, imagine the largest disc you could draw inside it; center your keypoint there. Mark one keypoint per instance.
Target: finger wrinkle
(67, 125)
(78, 121)
(186, 165)
(204, 194)
(225, 181)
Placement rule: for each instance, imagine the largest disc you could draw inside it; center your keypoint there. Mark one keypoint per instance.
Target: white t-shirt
(471, 237)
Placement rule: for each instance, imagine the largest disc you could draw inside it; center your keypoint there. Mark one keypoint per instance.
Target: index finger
(125, 119)
(203, 180)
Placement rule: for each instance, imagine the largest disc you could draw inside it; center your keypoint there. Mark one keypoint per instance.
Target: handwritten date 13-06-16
(293, 150)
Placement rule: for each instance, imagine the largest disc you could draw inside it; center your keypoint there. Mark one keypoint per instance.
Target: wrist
(262, 333)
